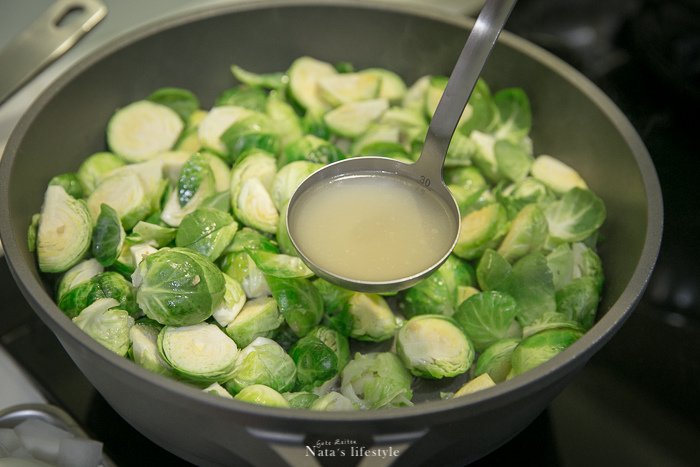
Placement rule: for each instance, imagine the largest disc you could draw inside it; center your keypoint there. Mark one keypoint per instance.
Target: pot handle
(46, 39)
(309, 450)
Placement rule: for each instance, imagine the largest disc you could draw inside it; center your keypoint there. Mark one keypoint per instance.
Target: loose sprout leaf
(493, 270)
(96, 168)
(107, 236)
(575, 216)
(512, 159)
(488, 317)
(275, 80)
(207, 231)
(32, 232)
(279, 265)
(532, 286)
(541, 347)
(514, 114)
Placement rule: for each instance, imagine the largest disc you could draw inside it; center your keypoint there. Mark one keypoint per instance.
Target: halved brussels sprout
(541, 347)
(207, 231)
(70, 183)
(284, 118)
(262, 395)
(125, 193)
(316, 363)
(299, 302)
(300, 400)
(310, 148)
(96, 168)
(242, 268)
(64, 232)
(253, 206)
(288, 179)
(217, 390)
(232, 304)
(201, 353)
(181, 101)
(218, 120)
(258, 318)
(220, 170)
(332, 401)
(348, 87)
(569, 262)
(532, 286)
(527, 233)
(275, 80)
(106, 324)
(377, 380)
(354, 118)
(556, 174)
(495, 360)
(256, 131)
(263, 361)
(152, 234)
(304, 74)
(372, 319)
(480, 230)
(578, 300)
(438, 293)
(250, 239)
(391, 87)
(107, 236)
(488, 317)
(551, 320)
(104, 285)
(178, 287)
(144, 347)
(433, 346)
(335, 341)
(493, 270)
(250, 98)
(81, 272)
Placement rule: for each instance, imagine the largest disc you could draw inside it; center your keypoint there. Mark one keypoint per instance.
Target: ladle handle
(461, 83)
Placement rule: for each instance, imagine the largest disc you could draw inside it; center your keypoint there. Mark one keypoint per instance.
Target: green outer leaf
(70, 183)
(279, 265)
(578, 300)
(146, 232)
(299, 302)
(250, 239)
(527, 233)
(258, 318)
(495, 360)
(263, 361)
(514, 113)
(107, 236)
(488, 317)
(206, 230)
(104, 285)
(182, 101)
(513, 160)
(575, 216)
(492, 271)
(300, 400)
(532, 286)
(242, 96)
(541, 347)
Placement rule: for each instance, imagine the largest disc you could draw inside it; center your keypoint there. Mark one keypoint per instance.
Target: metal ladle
(427, 170)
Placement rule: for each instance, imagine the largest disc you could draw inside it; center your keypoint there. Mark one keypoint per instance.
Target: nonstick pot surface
(572, 120)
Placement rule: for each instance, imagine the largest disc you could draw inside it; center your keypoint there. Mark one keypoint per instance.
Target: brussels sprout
(578, 300)
(275, 80)
(372, 319)
(250, 239)
(207, 231)
(220, 170)
(282, 236)
(217, 390)
(493, 271)
(153, 234)
(258, 318)
(352, 119)
(480, 230)
(242, 96)
(195, 173)
(532, 287)
(263, 361)
(433, 346)
(348, 87)
(182, 101)
(106, 324)
(556, 174)
(527, 234)
(218, 120)
(484, 156)
(380, 136)
(139, 252)
(262, 395)
(300, 400)
(64, 232)
(488, 317)
(78, 274)
(107, 236)
(438, 293)
(70, 183)
(464, 292)
(481, 113)
(514, 115)
(414, 99)
(483, 381)
(178, 287)
(173, 162)
(575, 216)
(336, 305)
(128, 126)
(255, 131)
(241, 267)
(144, 347)
(391, 87)
(288, 179)
(104, 285)
(279, 265)
(518, 195)
(460, 151)
(332, 401)
(220, 201)
(232, 304)
(304, 74)
(315, 362)
(284, 118)
(125, 193)
(377, 380)
(335, 341)
(253, 206)
(34, 227)
(310, 148)
(96, 168)
(299, 302)
(201, 353)
(495, 360)
(541, 347)
(314, 125)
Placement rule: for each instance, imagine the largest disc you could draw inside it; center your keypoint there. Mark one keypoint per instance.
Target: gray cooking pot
(573, 120)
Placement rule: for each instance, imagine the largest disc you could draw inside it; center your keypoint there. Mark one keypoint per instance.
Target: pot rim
(475, 403)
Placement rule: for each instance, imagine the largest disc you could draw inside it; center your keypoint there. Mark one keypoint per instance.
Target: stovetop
(636, 402)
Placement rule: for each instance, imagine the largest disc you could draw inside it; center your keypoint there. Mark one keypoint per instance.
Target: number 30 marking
(423, 180)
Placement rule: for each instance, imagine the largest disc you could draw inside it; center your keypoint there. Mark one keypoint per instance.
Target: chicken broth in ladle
(373, 227)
